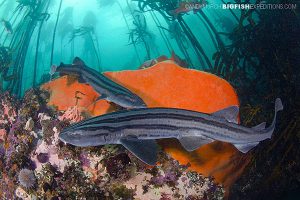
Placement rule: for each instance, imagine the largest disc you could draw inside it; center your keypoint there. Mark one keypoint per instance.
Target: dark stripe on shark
(138, 127)
(141, 112)
(155, 127)
(163, 117)
(94, 77)
(105, 79)
(97, 76)
(107, 87)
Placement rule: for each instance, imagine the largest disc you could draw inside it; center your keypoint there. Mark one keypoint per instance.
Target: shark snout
(70, 137)
(132, 102)
(63, 136)
(140, 105)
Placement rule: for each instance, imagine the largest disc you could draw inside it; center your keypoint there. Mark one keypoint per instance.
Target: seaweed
(178, 35)
(271, 49)
(88, 33)
(140, 33)
(42, 20)
(5, 62)
(28, 13)
(54, 32)
(166, 8)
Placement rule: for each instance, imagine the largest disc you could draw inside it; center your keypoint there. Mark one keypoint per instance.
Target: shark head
(82, 138)
(63, 69)
(131, 101)
(74, 69)
(74, 137)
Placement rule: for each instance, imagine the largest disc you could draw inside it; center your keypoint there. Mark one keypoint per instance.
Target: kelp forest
(256, 50)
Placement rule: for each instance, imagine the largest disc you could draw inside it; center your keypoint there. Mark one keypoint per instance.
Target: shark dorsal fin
(192, 143)
(145, 150)
(259, 127)
(78, 61)
(230, 114)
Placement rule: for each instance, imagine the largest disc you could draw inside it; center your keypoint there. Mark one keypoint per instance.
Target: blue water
(112, 22)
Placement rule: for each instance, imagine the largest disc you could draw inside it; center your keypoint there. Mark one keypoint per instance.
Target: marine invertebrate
(168, 178)
(73, 114)
(26, 178)
(43, 157)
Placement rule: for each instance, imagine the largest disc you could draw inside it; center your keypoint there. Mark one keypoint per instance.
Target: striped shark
(109, 90)
(137, 130)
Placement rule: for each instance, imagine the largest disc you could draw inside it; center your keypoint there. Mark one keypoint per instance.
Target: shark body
(138, 129)
(109, 90)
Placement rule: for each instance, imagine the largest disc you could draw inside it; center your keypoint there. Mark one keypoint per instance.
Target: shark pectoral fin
(244, 148)
(259, 127)
(145, 150)
(230, 114)
(102, 96)
(193, 143)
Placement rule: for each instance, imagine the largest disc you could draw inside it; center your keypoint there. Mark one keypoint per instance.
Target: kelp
(27, 15)
(140, 34)
(106, 3)
(89, 33)
(178, 35)
(5, 61)
(45, 18)
(271, 47)
(163, 7)
(54, 32)
(166, 9)
(161, 31)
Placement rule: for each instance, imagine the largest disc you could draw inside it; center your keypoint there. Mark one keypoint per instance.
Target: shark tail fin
(270, 129)
(278, 105)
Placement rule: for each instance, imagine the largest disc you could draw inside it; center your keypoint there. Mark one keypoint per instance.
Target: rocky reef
(34, 164)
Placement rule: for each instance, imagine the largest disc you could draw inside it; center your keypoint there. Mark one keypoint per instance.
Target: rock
(29, 124)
